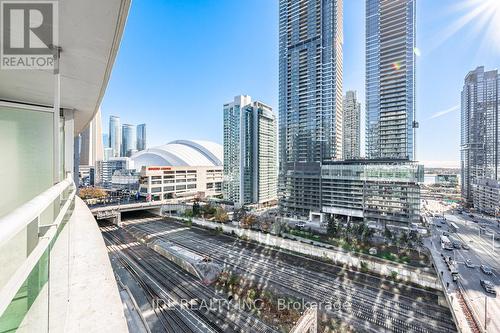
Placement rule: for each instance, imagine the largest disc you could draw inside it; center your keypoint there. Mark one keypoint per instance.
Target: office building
(141, 137)
(129, 140)
(479, 144)
(310, 98)
(390, 79)
(250, 170)
(115, 135)
(55, 273)
(181, 170)
(351, 127)
(383, 193)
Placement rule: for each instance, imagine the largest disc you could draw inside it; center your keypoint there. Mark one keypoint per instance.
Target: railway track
(381, 308)
(184, 288)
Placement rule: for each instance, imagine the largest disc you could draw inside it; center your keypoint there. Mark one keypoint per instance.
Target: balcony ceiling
(89, 35)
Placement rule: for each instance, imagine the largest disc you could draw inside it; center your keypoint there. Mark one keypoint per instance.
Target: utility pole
(485, 313)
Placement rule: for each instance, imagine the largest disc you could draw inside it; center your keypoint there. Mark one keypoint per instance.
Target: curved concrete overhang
(89, 35)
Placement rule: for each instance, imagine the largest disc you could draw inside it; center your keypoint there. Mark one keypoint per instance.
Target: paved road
(480, 252)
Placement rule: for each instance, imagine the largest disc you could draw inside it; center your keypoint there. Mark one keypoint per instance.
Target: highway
(165, 281)
(481, 252)
(375, 304)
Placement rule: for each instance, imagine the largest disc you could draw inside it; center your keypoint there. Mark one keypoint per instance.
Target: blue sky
(180, 61)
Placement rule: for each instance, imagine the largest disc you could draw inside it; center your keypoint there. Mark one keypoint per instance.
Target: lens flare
(417, 51)
(396, 66)
(482, 18)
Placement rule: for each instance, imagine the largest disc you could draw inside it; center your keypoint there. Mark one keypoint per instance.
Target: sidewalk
(450, 288)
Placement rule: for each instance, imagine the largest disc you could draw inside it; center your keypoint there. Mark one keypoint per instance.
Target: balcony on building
(55, 272)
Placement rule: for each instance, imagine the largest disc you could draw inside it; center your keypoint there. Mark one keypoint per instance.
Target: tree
(92, 193)
(196, 208)
(248, 221)
(239, 214)
(332, 228)
(387, 233)
(208, 211)
(221, 215)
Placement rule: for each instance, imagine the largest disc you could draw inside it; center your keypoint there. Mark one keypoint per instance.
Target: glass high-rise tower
(141, 137)
(310, 98)
(129, 140)
(250, 172)
(351, 127)
(390, 79)
(480, 142)
(115, 135)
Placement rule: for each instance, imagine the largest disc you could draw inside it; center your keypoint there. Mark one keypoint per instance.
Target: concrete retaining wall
(382, 267)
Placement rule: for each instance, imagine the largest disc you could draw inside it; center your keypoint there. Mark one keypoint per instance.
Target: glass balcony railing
(34, 256)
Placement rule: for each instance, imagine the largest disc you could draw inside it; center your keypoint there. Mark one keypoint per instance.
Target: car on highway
(469, 263)
(488, 287)
(465, 246)
(445, 233)
(486, 270)
(300, 225)
(471, 216)
(439, 225)
(457, 245)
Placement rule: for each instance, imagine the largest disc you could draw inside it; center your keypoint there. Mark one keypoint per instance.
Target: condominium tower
(390, 79)
(310, 98)
(250, 152)
(141, 137)
(115, 135)
(351, 127)
(129, 140)
(479, 131)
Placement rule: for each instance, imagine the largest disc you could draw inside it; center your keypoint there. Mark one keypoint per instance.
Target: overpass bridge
(113, 211)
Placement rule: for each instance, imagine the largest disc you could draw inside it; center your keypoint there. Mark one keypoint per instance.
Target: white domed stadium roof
(181, 153)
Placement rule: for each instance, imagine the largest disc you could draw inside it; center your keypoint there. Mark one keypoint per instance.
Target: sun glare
(479, 19)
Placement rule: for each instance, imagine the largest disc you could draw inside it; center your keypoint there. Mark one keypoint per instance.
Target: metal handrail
(12, 223)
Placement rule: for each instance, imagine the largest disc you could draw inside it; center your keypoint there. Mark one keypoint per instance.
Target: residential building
(479, 142)
(390, 79)
(115, 135)
(108, 153)
(52, 256)
(141, 137)
(106, 169)
(91, 145)
(351, 126)
(310, 98)
(486, 196)
(250, 152)
(379, 192)
(129, 140)
(181, 170)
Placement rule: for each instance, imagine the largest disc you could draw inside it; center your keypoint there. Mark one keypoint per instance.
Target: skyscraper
(129, 140)
(250, 172)
(351, 126)
(390, 79)
(91, 146)
(141, 137)
(310, 98)
(115, 135)
(479, 131)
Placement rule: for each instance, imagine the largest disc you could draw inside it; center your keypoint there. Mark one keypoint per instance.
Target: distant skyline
(180, 61)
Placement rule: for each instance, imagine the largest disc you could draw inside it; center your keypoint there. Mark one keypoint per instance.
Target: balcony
(56, 275)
